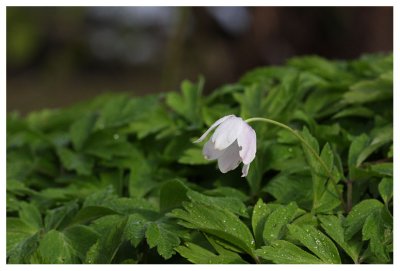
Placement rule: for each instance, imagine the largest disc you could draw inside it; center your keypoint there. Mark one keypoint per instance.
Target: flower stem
(296, 133)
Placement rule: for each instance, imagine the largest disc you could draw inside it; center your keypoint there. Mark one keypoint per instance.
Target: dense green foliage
(118, 179)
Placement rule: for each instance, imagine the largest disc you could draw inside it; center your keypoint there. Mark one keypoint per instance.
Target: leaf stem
(296, 133)
(349, 195)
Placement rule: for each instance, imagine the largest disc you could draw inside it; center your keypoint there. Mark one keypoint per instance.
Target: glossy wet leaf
(317, 242)
(284, 252)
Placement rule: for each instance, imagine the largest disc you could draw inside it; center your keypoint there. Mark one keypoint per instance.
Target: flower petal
(230, 158)
(215, 124)
(227, 133)
(209, 152)
(245, 169)
(247, 140)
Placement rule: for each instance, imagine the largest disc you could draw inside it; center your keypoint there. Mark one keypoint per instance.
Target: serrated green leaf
(141, 180)
(317, 242)
(135, 229)
(60, 217)
(231, 204)
(333, 227)
(382, 169)
(188, 103)
(374, 230)
(71, 160)
(17, 232)
(56, 248)
(151, 123)
(323, 193)
(260, 213)
(286, 188)
(30, 214)
(369, 91)
(276, 222)
(218, 222)
(284, 252)
(89, 213)
(164, 237)
(193, 156)
(81, 239)
(386, 189)
(81, 129)
(24, 251)
(358, 214)
(172, 194)
(358, 111)
(251, 101)
(199, 255)
(104, 250)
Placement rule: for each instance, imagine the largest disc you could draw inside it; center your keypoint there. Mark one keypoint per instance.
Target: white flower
(234, 141)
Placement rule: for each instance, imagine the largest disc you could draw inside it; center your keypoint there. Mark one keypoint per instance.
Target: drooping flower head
(233, 142)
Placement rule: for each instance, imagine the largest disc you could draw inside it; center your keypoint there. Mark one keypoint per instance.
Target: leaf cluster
(117, 179)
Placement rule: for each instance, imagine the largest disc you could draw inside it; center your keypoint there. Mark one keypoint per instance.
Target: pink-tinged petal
(215, 124)
(245, 169)
(247, 140)
(209, 152)
(230, 159)
(227, 133)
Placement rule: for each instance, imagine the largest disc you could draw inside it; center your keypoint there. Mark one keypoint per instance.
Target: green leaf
(188, 104)
(275, 224)
(108, 144)
(284, 252)
(172, 194)
(358, 111)
(260, 213)
(316, 242)
(282, 97)
(231, 204)
(252, 102)
(386, 189)
(81, 129)
(89, 213)
(30, 214)
(333, 227)
(78, 162)
(325, 197)
(141, 180)
(382, 136)
(122, 109)
(60, 217)
(286, 188)
(218, 222)
(357, 216)
(153, 122)
(17, 232)
(164, 236)
(382, 169)
(193, 156)
(135, 228)
(374, 231)
(199, 255)
(369, 91)
(56, 248)
(24, 251)
(104, 250)
(81, 239)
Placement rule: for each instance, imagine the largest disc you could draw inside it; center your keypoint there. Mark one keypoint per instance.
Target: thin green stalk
(295, 133)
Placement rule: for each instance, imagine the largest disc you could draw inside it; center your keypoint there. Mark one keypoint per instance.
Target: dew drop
(116, 136)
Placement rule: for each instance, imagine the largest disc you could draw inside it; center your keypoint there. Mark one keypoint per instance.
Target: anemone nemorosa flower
(234, 141)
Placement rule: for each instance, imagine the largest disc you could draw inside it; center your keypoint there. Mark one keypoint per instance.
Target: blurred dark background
(57, 56)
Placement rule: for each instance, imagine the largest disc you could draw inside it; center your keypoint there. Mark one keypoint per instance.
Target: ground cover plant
(118, 179)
